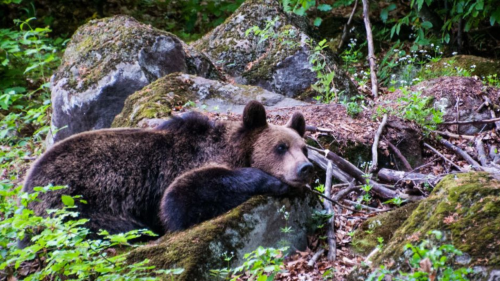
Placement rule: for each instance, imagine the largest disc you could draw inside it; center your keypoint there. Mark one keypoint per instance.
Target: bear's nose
(305, 170)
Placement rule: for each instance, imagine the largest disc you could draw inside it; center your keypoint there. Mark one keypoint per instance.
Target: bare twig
(389, 175)
(485, 121)
(352, 203)
(452, 135)
(442, 156)
(344, 192)
(321, 161)
(315, 257)
(348, 24)
(371, 49)
(318, 129)
(375, 143)
(488, 103)
(462, 153)
(332, 243)
(481, 154)
(399, 155)
(353, 171)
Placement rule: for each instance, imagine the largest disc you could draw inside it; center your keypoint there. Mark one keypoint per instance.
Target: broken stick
(330, 232)
(375, 144)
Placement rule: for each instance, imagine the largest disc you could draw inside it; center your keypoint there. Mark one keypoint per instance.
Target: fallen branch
(344, 192)
(442, 156)
(330, 232)
(314, 129)
(462, 153)
(396, 176)
(375, 144)
(481, 154)
(492, 111)
(354, 172)
(452, 135)
(471, 122)
(355, 204)
(315, 257)
(321, 161)
(399, 155)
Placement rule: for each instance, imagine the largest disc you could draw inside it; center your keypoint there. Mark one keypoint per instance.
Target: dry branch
(452, 135)
(332, 243)
(375, 143)
(442, 156)
(354, 172)
(371, 49)
(314, 258)
(481, 153)
(352, 203)
(396, 176)
(399, 155)
(462, 153)
(321, 161)
(348, 24)
(471, 122)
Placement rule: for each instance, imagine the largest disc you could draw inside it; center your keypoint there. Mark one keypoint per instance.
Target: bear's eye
(281, 148)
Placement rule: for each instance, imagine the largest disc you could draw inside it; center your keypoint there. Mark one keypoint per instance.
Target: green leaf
(495, 16)
(427, 25)
(317, 21)
(68, 200)
(446, 38)
(384, 14)
(324, 7)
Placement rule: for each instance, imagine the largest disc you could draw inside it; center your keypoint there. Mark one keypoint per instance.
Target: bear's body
(186, 171)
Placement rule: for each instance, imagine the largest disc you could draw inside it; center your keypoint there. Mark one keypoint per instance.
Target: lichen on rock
(108, 59)
(279, 63)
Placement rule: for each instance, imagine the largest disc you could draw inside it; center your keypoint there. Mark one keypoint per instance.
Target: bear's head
(278, 150)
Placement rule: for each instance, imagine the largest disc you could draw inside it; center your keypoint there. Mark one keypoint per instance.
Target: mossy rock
(483, 66)
(157, 100)
(383, 225)
(281, 62)
(107, 60)
(256, 222)
(466, 208)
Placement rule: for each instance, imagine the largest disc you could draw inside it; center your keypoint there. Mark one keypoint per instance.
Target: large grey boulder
(280, 63)
(106, 61)
(157, 100)
(256, 222)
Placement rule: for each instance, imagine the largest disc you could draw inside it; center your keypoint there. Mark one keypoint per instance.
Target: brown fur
(123, 173)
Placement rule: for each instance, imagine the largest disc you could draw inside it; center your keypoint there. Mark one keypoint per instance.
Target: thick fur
(192, 168)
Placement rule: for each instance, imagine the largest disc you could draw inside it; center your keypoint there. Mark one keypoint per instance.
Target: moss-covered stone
(466, 207)
(447, 66)
(157, 100)
(383, 225)
(280, 63)
(255, 223)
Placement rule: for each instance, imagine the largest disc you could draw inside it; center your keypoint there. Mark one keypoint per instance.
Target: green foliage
(27, 57)
(354, 106)
(420, 109)
(59, 244)
(263, 264)
(428, 261)
(324, 84)
(301, 7)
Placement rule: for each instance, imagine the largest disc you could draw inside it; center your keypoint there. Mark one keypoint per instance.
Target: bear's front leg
(207, 192)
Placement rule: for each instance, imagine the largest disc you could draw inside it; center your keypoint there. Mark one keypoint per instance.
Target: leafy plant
(59, 245)
(419, 109)
(429, 260)
(324, 84)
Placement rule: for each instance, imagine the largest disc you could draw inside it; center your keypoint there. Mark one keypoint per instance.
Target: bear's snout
(304, 171)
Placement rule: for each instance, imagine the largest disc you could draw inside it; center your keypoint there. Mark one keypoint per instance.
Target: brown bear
(186, 171)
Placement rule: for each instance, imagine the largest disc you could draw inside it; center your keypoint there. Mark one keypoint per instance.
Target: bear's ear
(254, 115)
(298, 123)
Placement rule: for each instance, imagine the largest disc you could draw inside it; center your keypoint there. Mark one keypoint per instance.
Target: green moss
(484, 66)
(155, 100)
(466, 208)
(191, 248)
(383, 225)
